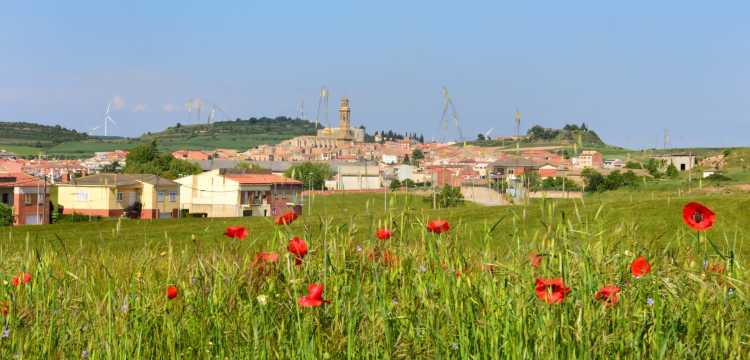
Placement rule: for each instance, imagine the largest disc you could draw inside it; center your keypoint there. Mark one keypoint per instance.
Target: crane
(448, 105)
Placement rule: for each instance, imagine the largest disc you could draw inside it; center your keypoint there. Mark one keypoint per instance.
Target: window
(82, 196)
(27, 199)
(172, 196)
(120, 196)
(160, 196)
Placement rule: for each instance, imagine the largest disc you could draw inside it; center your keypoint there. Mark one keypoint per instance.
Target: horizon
(629, 72)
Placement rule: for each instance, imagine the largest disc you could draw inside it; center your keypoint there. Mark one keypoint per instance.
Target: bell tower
(344, 114)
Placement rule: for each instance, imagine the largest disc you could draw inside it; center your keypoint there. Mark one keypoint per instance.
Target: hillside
(36, 135)
(29, 139)
(541, 136)
(239, 134)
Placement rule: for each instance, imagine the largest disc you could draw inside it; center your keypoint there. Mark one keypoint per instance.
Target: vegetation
(313, 175)
(448, 196)
(558, 183)
(568, 134)
(36, 135)
(597, 182)
(6, 215)
(147, 159)
(99, 290)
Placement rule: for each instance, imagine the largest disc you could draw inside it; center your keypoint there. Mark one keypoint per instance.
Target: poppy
(535, 259)
(438, 226)
(314, 297)
(551, 291)
(608, 295)
(717, 268)
(4, 308)
(22, 278)
(640, 267)
(236, 232)
(264, 258)
(385, 257)
(171, 292)
(698, 217)
(286, 218)
(383, 234)
(298, 248)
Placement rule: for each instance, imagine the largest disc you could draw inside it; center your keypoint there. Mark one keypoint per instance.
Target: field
(98, 289)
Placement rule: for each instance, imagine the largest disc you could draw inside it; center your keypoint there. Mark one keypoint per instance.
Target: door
(132, 198)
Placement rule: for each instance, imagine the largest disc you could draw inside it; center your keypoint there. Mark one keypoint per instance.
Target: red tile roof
(261, 179)
(19, 180)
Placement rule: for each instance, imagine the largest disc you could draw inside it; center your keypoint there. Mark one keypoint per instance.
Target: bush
(6, 215)
(559, 183)
(75, 218)
(717, 178)
(395, 185)
(672, 172)
(449, 196)
(633, 165)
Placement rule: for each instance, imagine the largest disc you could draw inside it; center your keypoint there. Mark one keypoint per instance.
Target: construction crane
(448, 105)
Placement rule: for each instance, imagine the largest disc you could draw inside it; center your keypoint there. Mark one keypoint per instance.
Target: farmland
(98, 288)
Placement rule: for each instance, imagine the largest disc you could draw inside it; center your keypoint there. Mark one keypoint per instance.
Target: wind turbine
(107, 120)
(487, 134)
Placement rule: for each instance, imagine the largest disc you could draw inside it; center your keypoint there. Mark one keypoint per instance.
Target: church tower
(344, 115)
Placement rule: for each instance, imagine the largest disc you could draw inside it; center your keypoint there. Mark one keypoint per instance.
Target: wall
(152, 207)
(210, 193)
(39, 205)
(98, 198)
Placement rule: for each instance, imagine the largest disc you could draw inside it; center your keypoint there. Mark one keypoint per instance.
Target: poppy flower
(383, 234)
(286, 218)
(22, 278)
(236, 232)
(698, 217)
(535, 259)
(171, 292)
(264, 258)
(385, 257)
(717, 268)
(551, 291)
(314, 297)
(640, 267)
(438, 226)
(608, 295)
(298, 248)
(4, 308)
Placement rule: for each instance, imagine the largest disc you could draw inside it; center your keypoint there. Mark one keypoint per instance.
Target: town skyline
(622, 71)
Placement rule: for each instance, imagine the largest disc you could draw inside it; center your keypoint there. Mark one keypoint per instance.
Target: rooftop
(122, 180)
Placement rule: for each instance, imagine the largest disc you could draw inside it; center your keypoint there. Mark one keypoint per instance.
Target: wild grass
(98, 290)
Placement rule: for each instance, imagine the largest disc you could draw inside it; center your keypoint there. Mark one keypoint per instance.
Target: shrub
(6, 215)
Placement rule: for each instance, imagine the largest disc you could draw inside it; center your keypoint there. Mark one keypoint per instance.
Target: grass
(99, 288)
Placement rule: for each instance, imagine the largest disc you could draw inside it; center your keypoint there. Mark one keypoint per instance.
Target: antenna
(517, 116)
(448, 105)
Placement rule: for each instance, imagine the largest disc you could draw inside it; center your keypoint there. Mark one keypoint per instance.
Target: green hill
(28, 139)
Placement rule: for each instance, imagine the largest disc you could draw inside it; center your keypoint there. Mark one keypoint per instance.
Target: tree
(395, 184)
(417, 155)
(633, 165)
(449, 196)
(480, 137)
(672, 172)
(6, 215)
(653, 168)
(313, 175)
(245, 165)
(146, 159)
(592, 179)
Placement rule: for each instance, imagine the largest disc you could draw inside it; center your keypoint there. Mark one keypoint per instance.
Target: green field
(98, 288)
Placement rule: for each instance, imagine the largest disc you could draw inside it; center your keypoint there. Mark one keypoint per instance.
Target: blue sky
(628, 70)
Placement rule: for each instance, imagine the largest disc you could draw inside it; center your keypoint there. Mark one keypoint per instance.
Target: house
(389, 159)
(547, 171)
(357, 176)
(27, 196)
(235, 193)
(192, 155)
(113, 195)
(512, 167)
(590, 159)
(683, 162)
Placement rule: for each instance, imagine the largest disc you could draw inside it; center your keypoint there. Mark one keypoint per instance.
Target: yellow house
(112, 195)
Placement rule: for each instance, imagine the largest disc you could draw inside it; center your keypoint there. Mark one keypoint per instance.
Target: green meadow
(98, 289)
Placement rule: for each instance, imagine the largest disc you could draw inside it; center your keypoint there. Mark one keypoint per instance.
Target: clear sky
(628, 69)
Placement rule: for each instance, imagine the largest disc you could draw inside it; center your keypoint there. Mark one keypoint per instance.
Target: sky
(629, 70)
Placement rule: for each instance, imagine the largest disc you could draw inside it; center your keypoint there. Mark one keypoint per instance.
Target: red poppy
(640, 267)
(4, 308)
(171, 292)
(22, 277)
(698, 217)
(298, 248)
(535, 259)
(314, 297)
(385, 257)
(608, 295)
(264, 258)
(717, 268)
(286, 218)
(551, 291)
(383, 234)
(236, 232)
(438, 226)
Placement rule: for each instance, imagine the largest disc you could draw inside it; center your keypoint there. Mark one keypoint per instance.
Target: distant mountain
(36, 135)
(29, 139)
